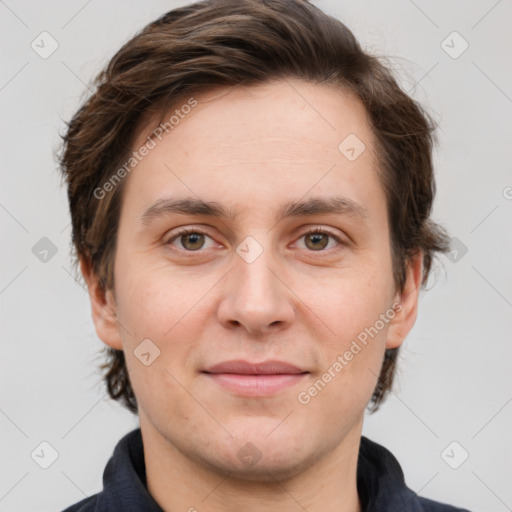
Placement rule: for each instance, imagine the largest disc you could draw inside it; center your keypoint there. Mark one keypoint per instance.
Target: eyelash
(187, 231)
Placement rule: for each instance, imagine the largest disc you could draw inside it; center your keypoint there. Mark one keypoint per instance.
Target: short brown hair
(228, 43)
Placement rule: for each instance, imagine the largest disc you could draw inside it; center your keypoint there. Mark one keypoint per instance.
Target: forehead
(276, 112)
(262, 143)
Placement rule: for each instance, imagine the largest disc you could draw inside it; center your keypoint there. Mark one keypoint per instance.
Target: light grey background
(454, 382)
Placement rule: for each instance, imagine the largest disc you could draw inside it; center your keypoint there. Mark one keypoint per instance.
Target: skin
(252, 149)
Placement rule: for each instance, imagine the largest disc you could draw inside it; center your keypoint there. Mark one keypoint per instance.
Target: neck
(177, 482)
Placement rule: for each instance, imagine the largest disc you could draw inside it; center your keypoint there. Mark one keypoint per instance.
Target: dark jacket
(380, 483)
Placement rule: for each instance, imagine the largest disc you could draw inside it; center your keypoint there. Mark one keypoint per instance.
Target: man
(250, 196)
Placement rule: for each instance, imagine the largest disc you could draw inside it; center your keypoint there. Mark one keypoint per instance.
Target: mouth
(255, 379)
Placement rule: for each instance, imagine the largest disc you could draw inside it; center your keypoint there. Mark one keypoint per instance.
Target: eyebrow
(194, 206)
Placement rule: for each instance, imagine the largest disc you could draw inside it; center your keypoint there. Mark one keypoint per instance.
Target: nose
(256, 296)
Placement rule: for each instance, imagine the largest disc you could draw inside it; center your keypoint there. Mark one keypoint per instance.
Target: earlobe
(405, 313)
(103, 308)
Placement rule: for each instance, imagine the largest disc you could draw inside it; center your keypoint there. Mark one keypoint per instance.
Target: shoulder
(382, 487)
(435, 506)
(86, 505)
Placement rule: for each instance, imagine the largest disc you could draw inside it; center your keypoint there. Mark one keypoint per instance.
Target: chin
(267, 469)
(258, 458)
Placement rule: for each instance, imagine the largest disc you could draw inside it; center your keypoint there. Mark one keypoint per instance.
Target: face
(288, 261)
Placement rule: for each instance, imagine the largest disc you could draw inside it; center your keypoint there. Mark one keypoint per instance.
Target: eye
(193, 239)
(317, 239)
(190, 239)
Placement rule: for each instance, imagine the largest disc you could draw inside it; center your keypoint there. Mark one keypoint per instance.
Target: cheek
(356, 313)
(350, 301)
(153, 301)
(351, 363)
(172, 308)
(155, 305)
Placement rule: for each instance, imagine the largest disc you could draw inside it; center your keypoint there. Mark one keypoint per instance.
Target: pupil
(316, 237)
(194, 239)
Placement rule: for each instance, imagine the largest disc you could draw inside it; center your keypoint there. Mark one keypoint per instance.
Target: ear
(103, 308)
(407, 301)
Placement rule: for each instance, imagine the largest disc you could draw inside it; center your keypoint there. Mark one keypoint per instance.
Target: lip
(255, 379)
(241, 367)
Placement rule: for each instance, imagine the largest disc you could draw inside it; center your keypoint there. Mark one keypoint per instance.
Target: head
(256, 109)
